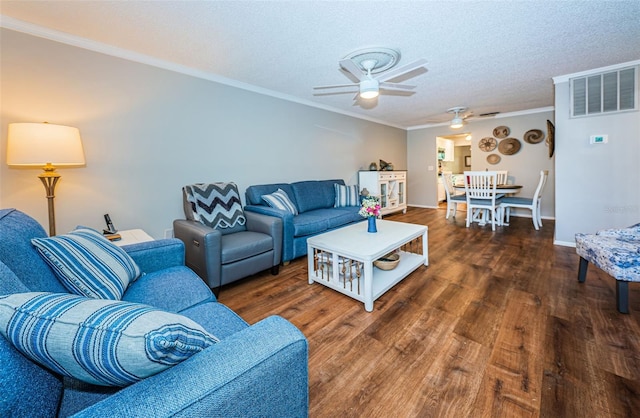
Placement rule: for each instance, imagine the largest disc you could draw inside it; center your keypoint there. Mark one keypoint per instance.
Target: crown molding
(68, 39)
(498, 116)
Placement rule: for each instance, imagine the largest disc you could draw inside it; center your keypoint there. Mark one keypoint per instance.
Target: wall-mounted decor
(467, 161)
(551, 137)
(501, 132)
(533, 136)
(509, 146)
(487, 144)
(493, 159)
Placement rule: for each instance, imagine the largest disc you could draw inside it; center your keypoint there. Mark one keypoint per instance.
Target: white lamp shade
(37, 144)
(456, 123)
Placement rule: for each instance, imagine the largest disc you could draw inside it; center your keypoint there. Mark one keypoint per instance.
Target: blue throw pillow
(346, 196)
(88, 264)
(102, 342)
(280, 200)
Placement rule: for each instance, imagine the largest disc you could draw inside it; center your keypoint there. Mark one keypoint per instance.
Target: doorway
(454, 155)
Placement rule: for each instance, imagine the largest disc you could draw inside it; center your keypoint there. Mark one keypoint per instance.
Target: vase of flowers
(371, 210)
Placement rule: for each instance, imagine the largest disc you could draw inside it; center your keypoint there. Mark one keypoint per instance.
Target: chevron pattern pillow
(216, 205)
(102, 342)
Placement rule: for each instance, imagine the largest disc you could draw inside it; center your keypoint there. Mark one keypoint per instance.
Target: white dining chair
(502, 176)
(453, 198)
(482, 198)
(531, 203)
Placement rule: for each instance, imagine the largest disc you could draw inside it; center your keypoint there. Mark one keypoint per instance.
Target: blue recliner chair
(258, 370)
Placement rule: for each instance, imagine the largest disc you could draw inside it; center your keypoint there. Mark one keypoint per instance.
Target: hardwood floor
(496, 325)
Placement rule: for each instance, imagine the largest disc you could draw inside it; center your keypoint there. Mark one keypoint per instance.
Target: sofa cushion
(216, 319)
(16, 230)
(310, 223)
(343, 216)
(158, 289)
(314, 194)
(88, 264)
(346, 196)
(280, 200)
(216, 205)
(103, 342)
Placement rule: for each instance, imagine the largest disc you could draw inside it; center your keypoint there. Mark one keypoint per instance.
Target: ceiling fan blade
(351, 66)
(395, 86)
(335, 86)
(402, 70)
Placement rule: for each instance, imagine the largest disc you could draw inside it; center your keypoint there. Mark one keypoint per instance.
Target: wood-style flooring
(496, 326)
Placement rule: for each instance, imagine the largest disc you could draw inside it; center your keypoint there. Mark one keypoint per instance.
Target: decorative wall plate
(493, 158)
(551, 137)
(533, 136)
(501, 132)
(509, 146)
(487, 144)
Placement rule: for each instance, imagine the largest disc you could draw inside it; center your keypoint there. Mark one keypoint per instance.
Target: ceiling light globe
(369, 89)
(456, 123)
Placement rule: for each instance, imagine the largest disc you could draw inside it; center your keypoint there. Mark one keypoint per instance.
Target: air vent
(606, 92)
(488, 114)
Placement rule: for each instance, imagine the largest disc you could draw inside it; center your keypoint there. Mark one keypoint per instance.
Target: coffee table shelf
(343, 259)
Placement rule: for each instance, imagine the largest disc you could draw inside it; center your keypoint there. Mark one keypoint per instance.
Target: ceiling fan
(458, 120)
(368, 85)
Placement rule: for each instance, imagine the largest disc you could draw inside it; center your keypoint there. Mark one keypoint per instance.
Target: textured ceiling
(486, 55)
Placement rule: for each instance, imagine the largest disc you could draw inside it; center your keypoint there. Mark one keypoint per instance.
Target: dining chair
(531, 203)
(502, 176)
(453, 197)
(482, 199)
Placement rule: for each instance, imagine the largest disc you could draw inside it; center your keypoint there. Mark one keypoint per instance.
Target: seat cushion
(87, 264)
(102, 342)
(244, 245)
(310, 223)
(158, 289)
(618, 257)
(525, 201)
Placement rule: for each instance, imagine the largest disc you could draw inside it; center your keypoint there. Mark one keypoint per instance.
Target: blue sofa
(314, 200)
(253, 371)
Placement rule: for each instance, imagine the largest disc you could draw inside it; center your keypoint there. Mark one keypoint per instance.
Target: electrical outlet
(168, 233)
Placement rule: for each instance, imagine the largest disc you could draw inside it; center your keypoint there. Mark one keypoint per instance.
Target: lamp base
(49, 179)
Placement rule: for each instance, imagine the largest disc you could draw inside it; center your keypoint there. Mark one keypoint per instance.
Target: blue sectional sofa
(314, 200)
(252, 371)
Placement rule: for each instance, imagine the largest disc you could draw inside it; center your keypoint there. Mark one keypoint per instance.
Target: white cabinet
(389, 186)
(449, 148)
(442, 196)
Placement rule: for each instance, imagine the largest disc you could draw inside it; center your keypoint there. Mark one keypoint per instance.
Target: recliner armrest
(269, 225)
(287, 226)
(203, 249)
(259, 371)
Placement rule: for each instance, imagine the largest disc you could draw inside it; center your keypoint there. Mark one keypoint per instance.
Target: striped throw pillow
(88, 264)
(280, 200)
(346, 196)
(102, 342)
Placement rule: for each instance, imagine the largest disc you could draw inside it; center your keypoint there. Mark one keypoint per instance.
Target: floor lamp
(47, 146)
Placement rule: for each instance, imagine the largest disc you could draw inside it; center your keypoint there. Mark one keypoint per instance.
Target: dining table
(504, 189)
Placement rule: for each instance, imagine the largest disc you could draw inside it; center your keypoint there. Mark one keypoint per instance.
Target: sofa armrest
(203, 249)
(260, 371)
(287, 226)
(157, 255)
(269, 225)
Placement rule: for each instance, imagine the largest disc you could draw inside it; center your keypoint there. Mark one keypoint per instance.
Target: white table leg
(310, 263)
(368, 287)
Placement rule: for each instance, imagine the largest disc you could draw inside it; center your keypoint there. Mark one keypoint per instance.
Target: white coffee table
(342, 259)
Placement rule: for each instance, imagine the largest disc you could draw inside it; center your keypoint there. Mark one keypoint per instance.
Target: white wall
(597, 186)
(148, 131)
(524, 166)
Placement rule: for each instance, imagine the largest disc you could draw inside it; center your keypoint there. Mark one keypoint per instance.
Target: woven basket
(388, 262)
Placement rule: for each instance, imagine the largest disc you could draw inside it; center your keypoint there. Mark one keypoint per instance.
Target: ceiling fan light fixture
(456, 123)
(369, 89)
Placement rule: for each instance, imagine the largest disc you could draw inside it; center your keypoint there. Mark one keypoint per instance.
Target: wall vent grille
(614, 91)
